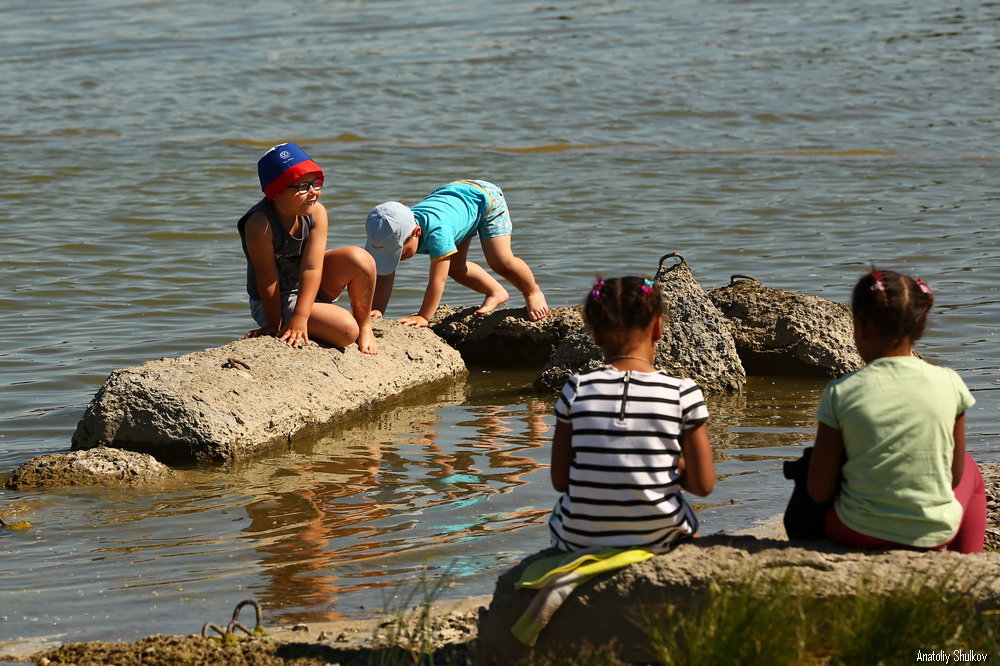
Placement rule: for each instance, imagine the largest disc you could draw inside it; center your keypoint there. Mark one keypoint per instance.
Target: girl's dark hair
(616, 305)
(894, 304)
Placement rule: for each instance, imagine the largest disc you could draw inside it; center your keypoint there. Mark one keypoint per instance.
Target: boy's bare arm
(310, 273)
(261, 252)
(432, 295)
(383, 290)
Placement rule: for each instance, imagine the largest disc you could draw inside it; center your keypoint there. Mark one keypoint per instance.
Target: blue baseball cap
(388, 226)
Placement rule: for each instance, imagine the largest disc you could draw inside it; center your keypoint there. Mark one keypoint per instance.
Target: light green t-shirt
(897, 416)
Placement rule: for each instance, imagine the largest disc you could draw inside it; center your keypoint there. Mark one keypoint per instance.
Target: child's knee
(360, 258)
(352, 329)
(352, 261)
(348, 329)
(364, 259)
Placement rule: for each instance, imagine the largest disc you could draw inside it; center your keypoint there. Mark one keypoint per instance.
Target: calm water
(796, 141)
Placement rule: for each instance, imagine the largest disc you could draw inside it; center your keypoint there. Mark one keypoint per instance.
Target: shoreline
(451, 625)
(454, 622)
(350, 641)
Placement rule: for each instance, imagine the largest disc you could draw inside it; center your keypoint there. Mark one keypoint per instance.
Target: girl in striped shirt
(628, 437)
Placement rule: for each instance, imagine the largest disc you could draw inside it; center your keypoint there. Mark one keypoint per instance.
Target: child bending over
(292, 279)
(891, 436)
(628, 436)
(442, 226)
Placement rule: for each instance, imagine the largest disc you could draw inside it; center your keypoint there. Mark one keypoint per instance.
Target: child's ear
(416, 231)
(656, 329)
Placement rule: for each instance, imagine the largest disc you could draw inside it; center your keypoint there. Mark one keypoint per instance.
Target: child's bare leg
(472, 275)
(501, 258)
(332, 324)
(354, 269)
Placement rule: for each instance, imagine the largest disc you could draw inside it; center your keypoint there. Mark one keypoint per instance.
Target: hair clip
(878, 284)
(596, 291)
(924, 287)
(647, 286)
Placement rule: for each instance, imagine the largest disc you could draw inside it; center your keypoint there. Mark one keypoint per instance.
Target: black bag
(804, 518)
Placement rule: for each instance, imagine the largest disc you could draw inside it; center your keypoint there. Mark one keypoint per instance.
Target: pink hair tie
(647, 286)
(596, 291)
(878, 284)
(924, 287)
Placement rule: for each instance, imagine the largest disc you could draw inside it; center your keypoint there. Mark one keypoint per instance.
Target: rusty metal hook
(668, 256)
(229, 633)
(256, 607)
(211, 625)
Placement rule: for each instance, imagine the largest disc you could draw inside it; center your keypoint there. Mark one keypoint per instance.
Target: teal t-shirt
(449, 216)
(897, 416)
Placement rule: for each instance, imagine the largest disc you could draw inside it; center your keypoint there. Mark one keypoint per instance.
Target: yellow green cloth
(556, 577)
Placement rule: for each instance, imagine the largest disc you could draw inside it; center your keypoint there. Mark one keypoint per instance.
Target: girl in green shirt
(890, 446)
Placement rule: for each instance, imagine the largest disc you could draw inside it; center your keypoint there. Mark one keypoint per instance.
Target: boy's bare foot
(493, 301)
(536, 305)
(366, 341)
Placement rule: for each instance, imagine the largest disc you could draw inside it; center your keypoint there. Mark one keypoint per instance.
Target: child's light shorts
(288, 301)
(496, 222)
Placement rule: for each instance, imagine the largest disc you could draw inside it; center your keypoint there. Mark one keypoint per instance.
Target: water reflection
(417, 479)
(753, 432)
(367, 507)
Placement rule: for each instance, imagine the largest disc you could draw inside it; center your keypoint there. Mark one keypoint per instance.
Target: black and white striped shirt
(623, 481)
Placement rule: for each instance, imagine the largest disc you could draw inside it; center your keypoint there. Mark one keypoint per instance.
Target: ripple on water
(795, 142)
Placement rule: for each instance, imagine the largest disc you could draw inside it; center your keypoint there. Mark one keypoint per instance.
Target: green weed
(408, 635)
(783, 620)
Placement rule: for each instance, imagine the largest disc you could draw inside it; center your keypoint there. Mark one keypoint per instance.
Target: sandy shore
(452, 630)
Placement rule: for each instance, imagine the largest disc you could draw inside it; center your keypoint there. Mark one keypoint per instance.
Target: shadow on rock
(505, 337)
(778, 332)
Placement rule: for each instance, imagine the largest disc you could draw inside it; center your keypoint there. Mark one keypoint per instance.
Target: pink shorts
(970, 492)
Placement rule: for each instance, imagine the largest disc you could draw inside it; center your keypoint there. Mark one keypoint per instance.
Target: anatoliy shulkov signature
(958, 656)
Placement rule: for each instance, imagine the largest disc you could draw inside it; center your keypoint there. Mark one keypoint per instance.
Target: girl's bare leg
(354, 269)
(333, 325)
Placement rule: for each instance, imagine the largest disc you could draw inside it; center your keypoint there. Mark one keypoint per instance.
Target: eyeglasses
(302, 188)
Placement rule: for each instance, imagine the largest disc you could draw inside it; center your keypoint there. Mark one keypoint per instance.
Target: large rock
(101, 466)
(611, 607)
(574, 353)
(245, 397)
(991, 477)
(779, 332)
(504, 337)
(696, 343)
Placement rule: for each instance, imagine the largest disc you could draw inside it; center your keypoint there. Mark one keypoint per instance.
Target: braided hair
(617, 305)
(894, 304)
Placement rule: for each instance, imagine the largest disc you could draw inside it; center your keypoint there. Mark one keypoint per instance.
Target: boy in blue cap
(442, 226)
(292, 279)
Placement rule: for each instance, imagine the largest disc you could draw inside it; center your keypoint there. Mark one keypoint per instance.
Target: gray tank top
(287, 249)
